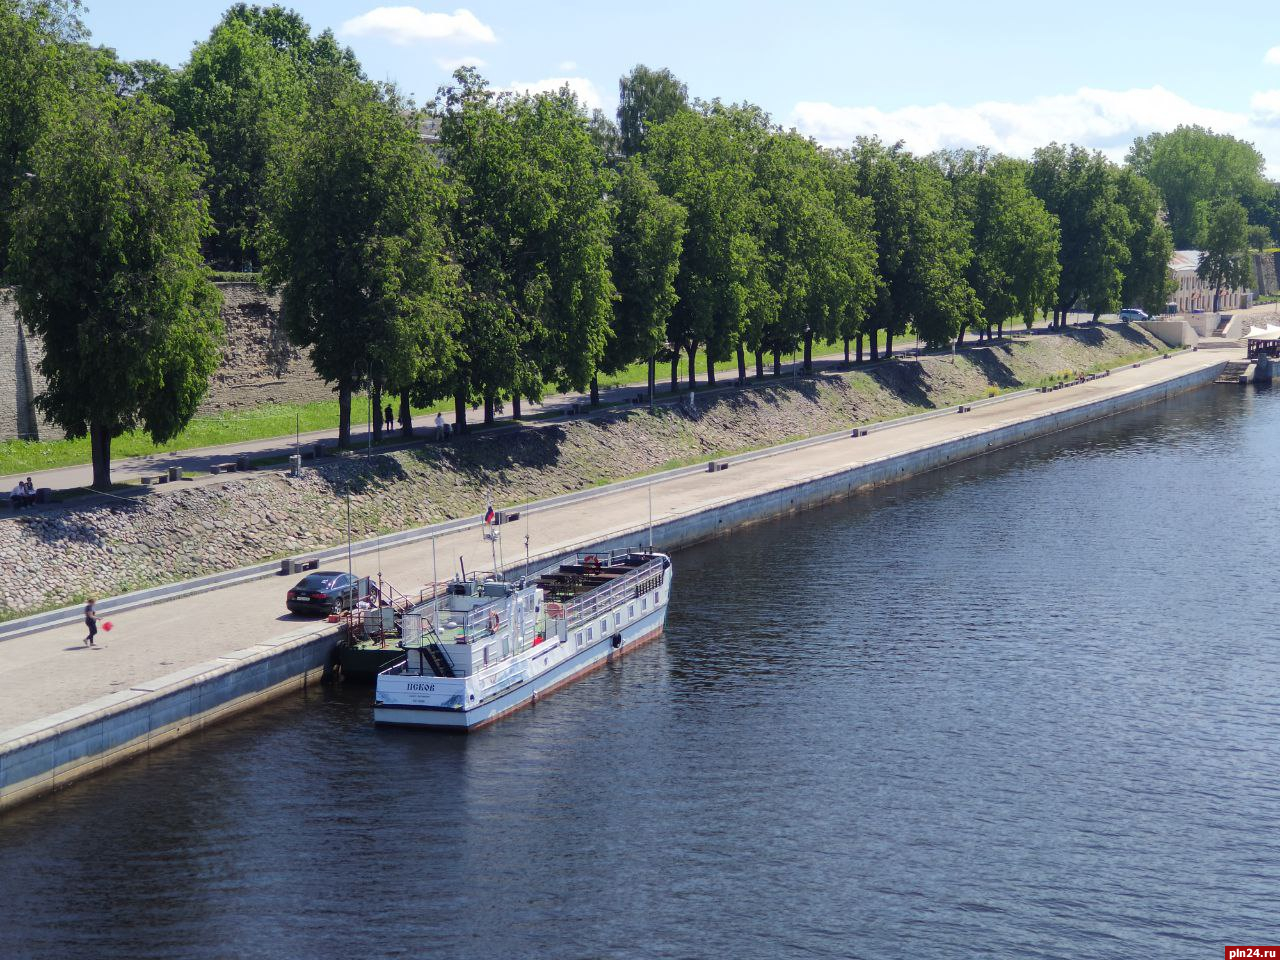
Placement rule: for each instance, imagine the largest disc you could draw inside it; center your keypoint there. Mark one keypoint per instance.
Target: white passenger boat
(488, 646)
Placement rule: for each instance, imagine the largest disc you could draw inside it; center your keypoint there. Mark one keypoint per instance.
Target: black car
(327, 591)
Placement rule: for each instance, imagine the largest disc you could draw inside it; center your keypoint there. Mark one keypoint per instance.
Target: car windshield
(318, 581)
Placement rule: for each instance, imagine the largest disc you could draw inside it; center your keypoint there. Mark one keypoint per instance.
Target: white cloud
(567, 66)
(1272, 57)
(586, 91)
(407, 25)
(1265, 105)
(1107, 120)
(450, 64)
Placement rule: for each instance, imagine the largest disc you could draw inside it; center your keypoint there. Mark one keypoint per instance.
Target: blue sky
(935, 74)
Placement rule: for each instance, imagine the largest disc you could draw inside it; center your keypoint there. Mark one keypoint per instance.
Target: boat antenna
(463, 565)
(526, 544)
(650, 488)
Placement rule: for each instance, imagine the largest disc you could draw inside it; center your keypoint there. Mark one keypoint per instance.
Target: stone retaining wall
(259, 364)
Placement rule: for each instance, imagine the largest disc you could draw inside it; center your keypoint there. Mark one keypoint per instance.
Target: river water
(1023, 707)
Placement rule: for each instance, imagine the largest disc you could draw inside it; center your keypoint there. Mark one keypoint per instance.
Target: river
(1022, 707)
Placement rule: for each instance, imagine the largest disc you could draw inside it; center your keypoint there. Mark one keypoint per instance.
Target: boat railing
(603, 599)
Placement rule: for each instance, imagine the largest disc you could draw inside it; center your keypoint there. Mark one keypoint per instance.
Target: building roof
(1185, 260)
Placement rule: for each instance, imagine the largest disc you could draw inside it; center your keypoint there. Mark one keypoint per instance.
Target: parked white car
(1130, 314)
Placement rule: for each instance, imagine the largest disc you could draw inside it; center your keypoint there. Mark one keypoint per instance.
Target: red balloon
(106, 625)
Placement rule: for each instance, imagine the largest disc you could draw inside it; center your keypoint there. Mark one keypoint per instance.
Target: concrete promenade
(50, 672)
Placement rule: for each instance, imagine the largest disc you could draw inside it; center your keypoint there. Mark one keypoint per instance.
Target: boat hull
(583, 662)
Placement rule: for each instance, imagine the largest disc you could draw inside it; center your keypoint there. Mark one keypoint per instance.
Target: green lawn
(273, 420)
(280, 420)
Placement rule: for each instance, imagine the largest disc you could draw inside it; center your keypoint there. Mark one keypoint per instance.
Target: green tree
(648, 236)
(106, 258)
(38, 61)
(702, 158)
(819, 265)
(1147, 282)
(1225, 262)
(531, 232)
(1260, 238)
(355, 240)
(1081, 189)
(1193, 168)
(1015, 240)
(646, 98)
(243, 91)
(922, 243)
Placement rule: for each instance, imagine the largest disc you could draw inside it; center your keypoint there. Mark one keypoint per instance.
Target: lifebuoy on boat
(494, 621)
(591, 562)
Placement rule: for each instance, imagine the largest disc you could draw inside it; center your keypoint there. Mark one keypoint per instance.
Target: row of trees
(522, 243)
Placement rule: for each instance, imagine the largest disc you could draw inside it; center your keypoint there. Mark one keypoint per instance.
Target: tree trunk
(375, 398)
(344, 414)
(711, 370)
(858, 354)
(960, 336)
(777, 362)
(460, 411)
(808, 351)
(100, 445)
(742, 362)
(888, 342)
(760, 364)
(516, 413)
(595, 390)
(675, 370)
(406, 416)
(693, 367)
(874, 335)
(653, 379)
(1000, 330)
(488, 409)
(846, 351)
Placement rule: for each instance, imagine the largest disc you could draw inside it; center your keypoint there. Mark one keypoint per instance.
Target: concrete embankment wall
(55, 751)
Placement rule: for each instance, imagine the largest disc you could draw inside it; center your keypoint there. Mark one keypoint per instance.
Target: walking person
(439, 426)
(91, 621)
(389, 417)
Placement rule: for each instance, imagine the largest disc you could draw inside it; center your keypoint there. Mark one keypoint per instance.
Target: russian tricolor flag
(489, 515)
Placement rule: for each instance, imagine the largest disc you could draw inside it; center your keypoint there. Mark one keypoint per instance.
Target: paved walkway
(43, 673)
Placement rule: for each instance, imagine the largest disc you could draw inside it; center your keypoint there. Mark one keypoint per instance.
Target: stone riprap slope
(106, 550)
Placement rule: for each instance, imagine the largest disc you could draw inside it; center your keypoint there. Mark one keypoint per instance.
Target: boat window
(617, 618)
(591, 633)
(631, 610)
(578, 637)
(604, 626)
(486, 655)
(644, 603)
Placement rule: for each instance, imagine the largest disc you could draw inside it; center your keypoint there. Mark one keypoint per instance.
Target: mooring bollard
(175, 473)
(295, 465)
